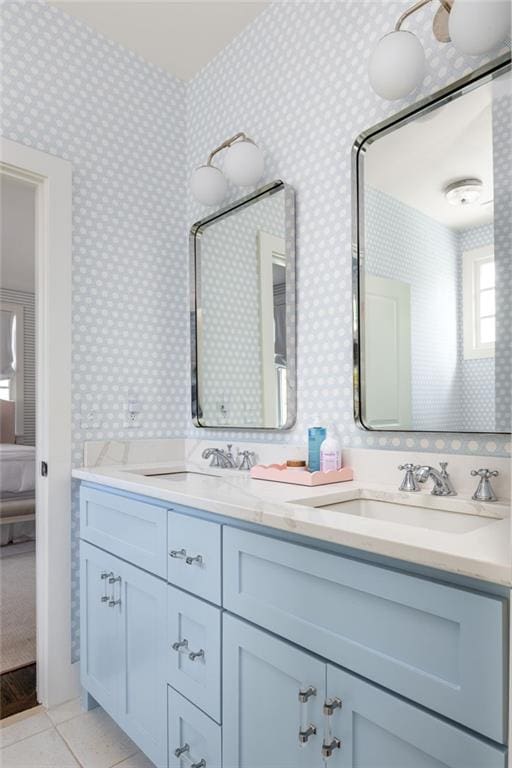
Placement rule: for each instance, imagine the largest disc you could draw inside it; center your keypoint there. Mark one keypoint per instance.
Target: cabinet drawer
(194, 650)
(133, 530)
(191, 734)
(438, 645)
(194, 555)
(376, 728)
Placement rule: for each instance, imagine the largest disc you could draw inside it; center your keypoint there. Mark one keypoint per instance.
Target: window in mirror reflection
(479, 297)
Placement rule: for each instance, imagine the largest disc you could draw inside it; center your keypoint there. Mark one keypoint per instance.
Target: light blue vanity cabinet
(123, 650)
(218, 644)
(344, 720)
(438, 645)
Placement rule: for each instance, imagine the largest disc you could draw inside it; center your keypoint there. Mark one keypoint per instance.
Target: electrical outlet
(133, 418)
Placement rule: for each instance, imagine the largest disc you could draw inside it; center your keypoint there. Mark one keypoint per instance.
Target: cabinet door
(193, 651)
(142, 615)
(100, 667)
(376, 728)
(194, 739)
(262, 714)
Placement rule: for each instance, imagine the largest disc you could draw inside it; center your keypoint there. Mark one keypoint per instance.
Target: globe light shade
(479, 26)
(208, 185)
(243, 164)
(397, 65)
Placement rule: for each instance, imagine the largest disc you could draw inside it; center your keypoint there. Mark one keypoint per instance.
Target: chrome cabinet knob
(198, 559)
(180, 645)
(200, 764)
(193, 655)
(181, 750)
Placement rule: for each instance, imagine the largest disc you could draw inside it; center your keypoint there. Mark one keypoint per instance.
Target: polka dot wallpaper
(296, 81)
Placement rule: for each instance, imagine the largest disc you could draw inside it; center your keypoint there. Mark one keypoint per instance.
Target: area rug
(17, 609)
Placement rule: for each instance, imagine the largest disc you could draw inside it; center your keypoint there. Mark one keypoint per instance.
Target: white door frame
(57, 677)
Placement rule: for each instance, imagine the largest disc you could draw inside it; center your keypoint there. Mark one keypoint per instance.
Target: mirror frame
(196, 232)
(484, 74)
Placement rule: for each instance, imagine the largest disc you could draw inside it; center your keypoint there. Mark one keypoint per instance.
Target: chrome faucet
(484, 492)
(442, 483)
(220, 458)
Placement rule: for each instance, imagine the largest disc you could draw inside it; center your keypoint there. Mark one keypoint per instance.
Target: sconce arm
(228, 143)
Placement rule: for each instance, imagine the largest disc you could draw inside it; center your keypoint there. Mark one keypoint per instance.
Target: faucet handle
(485, 491)
(487, 473)
(409, 483)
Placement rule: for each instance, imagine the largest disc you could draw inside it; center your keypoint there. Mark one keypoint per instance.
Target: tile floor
(66, 737)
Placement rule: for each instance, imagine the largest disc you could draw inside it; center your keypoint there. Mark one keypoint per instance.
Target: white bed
(17, 468)
(17, 492)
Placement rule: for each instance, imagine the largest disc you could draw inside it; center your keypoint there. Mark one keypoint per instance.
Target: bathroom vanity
(227, 622)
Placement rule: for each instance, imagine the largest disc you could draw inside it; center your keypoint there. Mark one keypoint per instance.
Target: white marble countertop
(484, 553)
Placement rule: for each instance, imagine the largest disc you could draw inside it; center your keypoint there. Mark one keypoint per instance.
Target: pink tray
(280, 473)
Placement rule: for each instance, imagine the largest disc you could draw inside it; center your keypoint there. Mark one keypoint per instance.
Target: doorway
(17, 447)
(35, 430)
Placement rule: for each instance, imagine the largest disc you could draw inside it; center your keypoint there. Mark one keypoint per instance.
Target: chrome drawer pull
(180, 646)
(181, 750)
(193, 655)
(330, 742)
(306, 729)
(197, 559)
(200, 764)
(178, 553)
(104, 576)
(112, 580)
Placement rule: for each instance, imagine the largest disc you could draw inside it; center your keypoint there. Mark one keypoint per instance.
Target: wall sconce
(243, 166)
(397, 65)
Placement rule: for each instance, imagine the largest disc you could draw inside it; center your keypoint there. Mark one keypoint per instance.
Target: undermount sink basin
(170, 474)
(420, 517)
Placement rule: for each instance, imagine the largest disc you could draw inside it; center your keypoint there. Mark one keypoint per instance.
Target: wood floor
(18, 690)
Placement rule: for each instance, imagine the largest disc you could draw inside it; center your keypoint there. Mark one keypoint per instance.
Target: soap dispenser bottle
(330, 452)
